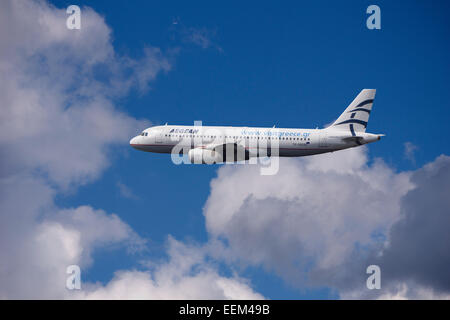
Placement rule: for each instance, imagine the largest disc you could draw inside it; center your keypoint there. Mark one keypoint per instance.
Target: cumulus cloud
(415, 257)
(418, 247)
(397, 291)
(312, 212)
(185, 275)
(58, 124)
(322, 220)
(58, 113)
(38, 240)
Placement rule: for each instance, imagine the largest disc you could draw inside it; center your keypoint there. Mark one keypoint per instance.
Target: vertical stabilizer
(356, 116)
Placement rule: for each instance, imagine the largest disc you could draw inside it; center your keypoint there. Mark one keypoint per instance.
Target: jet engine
(204, 156)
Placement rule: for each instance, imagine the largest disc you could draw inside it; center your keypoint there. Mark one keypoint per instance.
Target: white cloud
(58, 112)
(422, 261)
(186, 275)
(38, 240)
(322, 220)
(404, 292)
(399, 290)
(58, 123)
(312, 212)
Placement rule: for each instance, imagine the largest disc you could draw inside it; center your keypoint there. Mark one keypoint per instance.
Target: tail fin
(356, 116)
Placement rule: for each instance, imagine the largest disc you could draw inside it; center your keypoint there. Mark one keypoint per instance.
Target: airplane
(214, 144)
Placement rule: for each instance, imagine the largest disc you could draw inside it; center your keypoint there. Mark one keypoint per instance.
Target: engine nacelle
(204, 156)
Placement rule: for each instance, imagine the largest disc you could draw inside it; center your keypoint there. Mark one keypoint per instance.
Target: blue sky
(290, 64)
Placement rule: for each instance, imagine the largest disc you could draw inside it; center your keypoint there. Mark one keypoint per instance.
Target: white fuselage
(228, 144)
(255, 141)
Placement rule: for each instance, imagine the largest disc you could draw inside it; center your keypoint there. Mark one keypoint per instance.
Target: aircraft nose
(133, 142)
